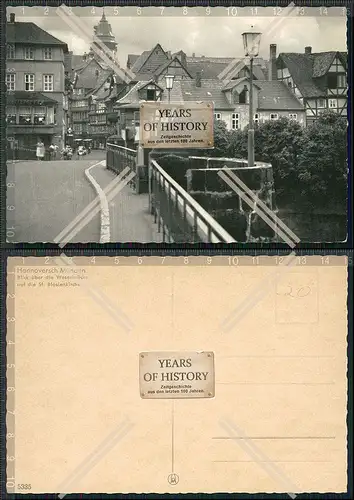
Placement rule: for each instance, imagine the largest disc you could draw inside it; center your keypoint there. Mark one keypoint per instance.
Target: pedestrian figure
(52, 151)
(40, 152)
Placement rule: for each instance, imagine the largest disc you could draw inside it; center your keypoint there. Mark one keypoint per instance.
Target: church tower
(103, 32)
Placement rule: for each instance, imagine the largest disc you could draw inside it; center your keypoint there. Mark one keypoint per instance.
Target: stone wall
(198, 176)
(227, 207)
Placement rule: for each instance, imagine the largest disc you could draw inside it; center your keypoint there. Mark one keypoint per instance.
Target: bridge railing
(177, 214)
(119, 157)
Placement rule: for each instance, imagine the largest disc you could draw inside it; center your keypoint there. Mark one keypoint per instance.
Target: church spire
(103, 32)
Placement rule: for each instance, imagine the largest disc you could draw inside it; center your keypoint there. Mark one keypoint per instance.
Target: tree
(279, 142)
(322, 164)
(221, 139)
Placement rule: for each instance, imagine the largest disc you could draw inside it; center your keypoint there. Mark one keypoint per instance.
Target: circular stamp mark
(173, 479)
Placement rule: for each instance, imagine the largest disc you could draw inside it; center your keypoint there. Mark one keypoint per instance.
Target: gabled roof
(306, 69)
(275, 95)
(132, 96)
(30, 33)
(150, 62)
(228, 85)
(168, 63)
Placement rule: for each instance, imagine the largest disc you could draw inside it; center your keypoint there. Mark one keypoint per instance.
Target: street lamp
(169, 84)
(251, 40)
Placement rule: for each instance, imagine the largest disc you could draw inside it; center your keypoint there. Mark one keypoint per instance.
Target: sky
(214, 32)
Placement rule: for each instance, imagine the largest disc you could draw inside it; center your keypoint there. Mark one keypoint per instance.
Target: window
(244, 96)
(292, 116)
(274, 116)
(235, 121)
(10, 51)
(342, 81)
(332, 103)
(28, 52)
(321, 103)
(11, 115)
(217, 116)
(78, 128)
(25, 116)
(150, 94)
(79, 104)
(29, 81)
(39, 115)
(235, 97)
(332, 81)
(101, 107)
(48, 83)
(10, 81)
(256, 119)
(50, 115)
(47, 53)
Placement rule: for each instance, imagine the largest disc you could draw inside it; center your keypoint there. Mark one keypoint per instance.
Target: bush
(322, 172)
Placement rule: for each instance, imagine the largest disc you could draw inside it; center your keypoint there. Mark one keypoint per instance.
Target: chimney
(169, 54)
(272, 62)
(198, 79)
(12, 17)
(183, 58)
(308, 50)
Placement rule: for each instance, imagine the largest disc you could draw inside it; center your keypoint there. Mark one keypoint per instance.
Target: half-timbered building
(318, 80)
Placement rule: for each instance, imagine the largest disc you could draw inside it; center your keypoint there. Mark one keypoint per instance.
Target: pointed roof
(141, 64)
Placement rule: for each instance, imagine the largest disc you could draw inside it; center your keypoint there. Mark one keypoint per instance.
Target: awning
(19, 96)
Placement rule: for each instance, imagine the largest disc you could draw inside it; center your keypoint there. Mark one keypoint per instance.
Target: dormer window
(244, 96)
(150, 94)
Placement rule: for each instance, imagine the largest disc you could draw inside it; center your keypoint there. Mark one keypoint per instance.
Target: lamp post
(169, 84)
(251, 40)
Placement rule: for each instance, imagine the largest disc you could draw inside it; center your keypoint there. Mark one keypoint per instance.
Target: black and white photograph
(176, 125)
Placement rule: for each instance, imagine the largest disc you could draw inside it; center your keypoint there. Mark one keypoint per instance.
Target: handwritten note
(297, 292)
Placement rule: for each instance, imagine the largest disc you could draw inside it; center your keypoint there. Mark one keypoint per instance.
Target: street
(48, 195)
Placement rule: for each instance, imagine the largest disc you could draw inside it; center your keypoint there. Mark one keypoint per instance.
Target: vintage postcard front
(265, 342)
(163, 120)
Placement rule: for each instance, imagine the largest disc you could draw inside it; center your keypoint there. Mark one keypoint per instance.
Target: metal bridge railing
(179, 216)
(119, 157)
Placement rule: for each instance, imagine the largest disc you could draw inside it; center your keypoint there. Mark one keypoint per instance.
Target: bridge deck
(129, 212)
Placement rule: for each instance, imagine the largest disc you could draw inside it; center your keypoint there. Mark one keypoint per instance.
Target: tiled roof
(322, 63)
(77, 61)
(131, 59)
(140, 61)
(209, 91)
(161, 68)
(208, 69)
(306, 68)
(275, 95)
(91, 81)
(32, 34)
(300, 68)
